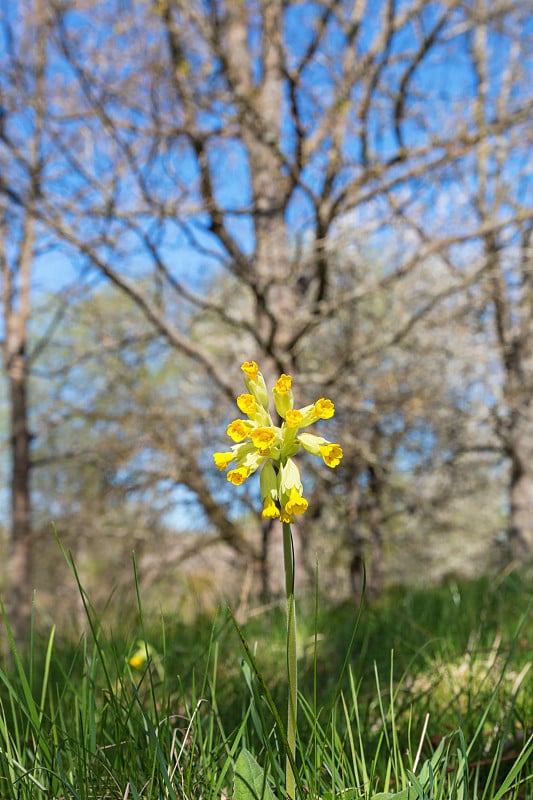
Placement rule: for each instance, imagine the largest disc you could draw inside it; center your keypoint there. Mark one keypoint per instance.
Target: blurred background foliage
(338, 190)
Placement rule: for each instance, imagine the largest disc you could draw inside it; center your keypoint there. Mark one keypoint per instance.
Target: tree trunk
(20, 558)
(270, 186)
(375, 525)
(16, 279)
(518, 441)
(514, 333)
(521, 495)
(16, 304)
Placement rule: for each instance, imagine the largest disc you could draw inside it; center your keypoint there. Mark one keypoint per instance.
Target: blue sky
(450, 81)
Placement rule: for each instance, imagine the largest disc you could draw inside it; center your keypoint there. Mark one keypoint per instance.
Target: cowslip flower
(142, 655)
(238, 430)
(262, 445)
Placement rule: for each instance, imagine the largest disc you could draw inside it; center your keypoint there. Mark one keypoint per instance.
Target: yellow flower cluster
(261, 444)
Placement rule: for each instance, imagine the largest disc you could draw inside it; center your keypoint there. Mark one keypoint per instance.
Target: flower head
(238, 475)
(324, 409)
(255, 383)
(222, 460)
(250, 369)
(247, 404)
(141, 656)
(260, 444)
(239, 430)
(331, 453)
(283, 384)
(270, 509)
(263, 439)
(283, 397)
(296, 504)
(294, 418)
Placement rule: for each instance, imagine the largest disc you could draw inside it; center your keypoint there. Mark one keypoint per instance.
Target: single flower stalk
(262, 445)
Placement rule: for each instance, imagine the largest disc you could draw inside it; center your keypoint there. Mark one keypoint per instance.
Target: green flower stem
(288, 556)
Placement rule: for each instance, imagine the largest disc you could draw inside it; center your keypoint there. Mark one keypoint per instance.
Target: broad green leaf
(250, 780)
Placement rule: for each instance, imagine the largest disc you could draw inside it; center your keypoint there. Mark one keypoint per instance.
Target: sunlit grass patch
(77, 720)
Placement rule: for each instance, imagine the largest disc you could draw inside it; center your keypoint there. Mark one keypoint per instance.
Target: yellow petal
(332, 454)
(222, 460)
(250, 369)
(324, 408)
(238, 476)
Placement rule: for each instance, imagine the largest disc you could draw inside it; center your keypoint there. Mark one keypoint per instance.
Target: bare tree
(501, 177)
(17, 251)
(203, 158)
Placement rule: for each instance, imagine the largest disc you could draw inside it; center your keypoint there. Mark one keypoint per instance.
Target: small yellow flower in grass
(331, 453)
(247, 404)
(239, 430)
(145, 656)
(139, 659)
(222, 460)
(263, 439)
(238, 476)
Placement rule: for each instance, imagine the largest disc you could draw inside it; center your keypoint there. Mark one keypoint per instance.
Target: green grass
(432, 699)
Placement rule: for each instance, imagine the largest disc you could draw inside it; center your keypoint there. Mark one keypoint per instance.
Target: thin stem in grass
(262, 446)
(292, 673)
